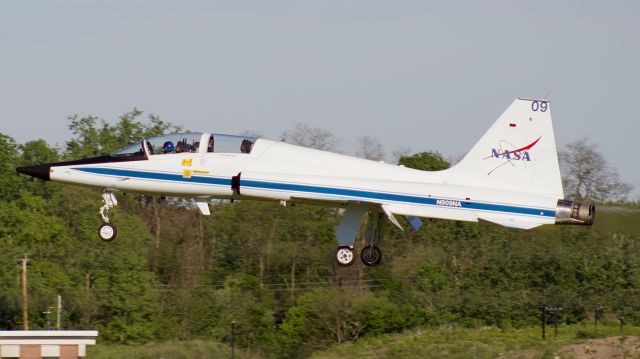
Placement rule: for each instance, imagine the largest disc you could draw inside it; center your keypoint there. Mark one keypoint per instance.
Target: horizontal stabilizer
(415, 222)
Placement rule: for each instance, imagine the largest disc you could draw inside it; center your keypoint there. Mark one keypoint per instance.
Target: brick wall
(68, 352)
(30, 352)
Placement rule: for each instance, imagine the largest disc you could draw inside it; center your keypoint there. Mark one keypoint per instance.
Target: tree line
(174, 274)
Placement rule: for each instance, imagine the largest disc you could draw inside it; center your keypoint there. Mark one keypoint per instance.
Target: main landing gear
(370, 255)
(347, 231)
(107, 231)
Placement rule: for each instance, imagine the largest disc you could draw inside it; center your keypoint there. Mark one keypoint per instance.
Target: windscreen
(132, 149)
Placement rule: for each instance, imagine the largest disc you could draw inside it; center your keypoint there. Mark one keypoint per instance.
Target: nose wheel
(107, 231)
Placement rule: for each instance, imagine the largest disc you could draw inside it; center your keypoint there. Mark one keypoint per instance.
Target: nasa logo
(511, 155)
(517, 157)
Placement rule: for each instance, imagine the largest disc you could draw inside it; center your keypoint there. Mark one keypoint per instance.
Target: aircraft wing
(411, 199)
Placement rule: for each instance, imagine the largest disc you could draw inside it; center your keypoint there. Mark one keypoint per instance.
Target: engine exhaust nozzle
(569, 212)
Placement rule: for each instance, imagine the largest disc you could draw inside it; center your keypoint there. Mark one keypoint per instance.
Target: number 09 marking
(541, 106)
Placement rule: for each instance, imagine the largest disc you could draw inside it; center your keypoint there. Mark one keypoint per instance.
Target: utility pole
(58, 310)
(25, 298)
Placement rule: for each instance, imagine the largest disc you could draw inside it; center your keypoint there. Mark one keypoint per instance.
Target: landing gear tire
(371, 255)
(345, 256)
(107, 232)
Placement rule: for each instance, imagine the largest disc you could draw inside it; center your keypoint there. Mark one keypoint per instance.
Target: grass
(461, 343)
(451, 342)
(192, 349)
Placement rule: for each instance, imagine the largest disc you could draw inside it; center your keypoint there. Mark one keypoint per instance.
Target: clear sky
(431, 76)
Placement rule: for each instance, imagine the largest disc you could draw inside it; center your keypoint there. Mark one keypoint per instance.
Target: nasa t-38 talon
(510, 177)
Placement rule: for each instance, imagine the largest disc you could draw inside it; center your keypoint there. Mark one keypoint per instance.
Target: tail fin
(518, 153)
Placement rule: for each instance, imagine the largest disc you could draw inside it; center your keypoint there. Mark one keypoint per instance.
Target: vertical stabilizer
(518, 153)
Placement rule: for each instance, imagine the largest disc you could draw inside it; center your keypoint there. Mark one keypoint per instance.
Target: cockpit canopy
(174, 143)
(189, 143)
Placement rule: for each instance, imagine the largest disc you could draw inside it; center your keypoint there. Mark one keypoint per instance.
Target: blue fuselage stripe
(156, 175)
(396, 198)
(353, 194)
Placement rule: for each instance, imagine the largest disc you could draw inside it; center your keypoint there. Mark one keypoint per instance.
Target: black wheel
(371, 255)
(107, 232)
(345, 256)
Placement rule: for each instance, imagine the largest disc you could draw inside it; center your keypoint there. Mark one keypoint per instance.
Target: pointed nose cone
(37, 171)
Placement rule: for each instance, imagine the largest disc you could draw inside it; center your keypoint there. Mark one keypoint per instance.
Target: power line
(279, 284)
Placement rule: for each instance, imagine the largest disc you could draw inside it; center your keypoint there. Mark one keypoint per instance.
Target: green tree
(9, 180)
(94, 136)
(114, 288)
(174, 274)
(37, 152)
(426, 161)
(328, 316)
(587, 175)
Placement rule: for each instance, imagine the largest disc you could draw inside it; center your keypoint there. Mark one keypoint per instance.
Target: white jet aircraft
(510, 177)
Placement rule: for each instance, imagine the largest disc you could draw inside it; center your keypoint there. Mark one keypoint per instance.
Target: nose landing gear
(107, 231)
